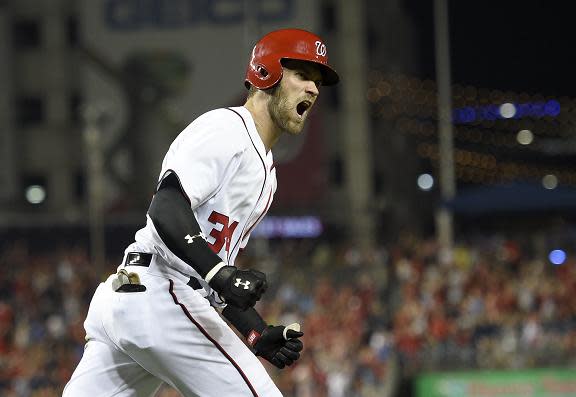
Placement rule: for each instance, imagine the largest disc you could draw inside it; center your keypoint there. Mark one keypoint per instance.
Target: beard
(282, 112)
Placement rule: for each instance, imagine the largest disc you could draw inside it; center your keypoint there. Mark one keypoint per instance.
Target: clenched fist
(239, 288)
(279, 345)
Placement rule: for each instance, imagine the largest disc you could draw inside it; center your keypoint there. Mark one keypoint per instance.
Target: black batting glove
(279, 345)
(239, 288)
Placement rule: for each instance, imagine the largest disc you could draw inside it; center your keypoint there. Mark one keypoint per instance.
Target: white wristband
(214, 270)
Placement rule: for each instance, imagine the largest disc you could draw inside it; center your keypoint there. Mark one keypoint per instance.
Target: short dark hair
(252, 90)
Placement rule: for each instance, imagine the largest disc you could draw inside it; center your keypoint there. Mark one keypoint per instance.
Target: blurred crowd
(368, 317)
(44, 298)
(43, 301)
(496, 303)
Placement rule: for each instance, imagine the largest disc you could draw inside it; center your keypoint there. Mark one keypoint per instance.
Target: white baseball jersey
(228, 177)
(169, 332)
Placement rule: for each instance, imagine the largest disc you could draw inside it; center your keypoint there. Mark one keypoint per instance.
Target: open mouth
(302, 107)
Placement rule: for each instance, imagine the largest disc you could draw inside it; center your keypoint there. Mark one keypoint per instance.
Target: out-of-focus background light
(550, 181)
(35, 194)
(425, 182)
(507, 110)
(525, 137)
(557, 257)
(289, 227)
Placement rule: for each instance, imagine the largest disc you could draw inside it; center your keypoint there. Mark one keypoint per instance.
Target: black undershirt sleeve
(178, 228)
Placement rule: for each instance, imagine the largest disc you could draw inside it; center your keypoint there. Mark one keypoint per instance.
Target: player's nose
(312, 88)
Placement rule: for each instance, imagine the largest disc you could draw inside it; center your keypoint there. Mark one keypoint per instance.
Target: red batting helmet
(265, 69)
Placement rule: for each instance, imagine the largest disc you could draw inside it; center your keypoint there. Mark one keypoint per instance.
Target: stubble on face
(282, 112)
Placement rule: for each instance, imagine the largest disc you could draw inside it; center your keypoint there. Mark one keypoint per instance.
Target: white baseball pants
(168, 333)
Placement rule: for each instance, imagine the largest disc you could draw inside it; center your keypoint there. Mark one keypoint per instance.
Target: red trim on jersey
(263, 184)
(266, 208)
(214, 342)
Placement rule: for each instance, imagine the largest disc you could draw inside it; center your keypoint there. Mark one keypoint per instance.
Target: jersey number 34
(221, 235)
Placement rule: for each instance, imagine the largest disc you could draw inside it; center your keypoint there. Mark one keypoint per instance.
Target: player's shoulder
(228, 118)
(226, 123)
(223, 125)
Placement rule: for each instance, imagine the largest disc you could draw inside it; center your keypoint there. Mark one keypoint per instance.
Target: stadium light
(525, 137)
(35, 194)
(550, 181)
(425, 182)
(557, 256)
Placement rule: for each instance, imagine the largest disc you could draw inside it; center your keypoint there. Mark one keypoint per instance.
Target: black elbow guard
(178, 228)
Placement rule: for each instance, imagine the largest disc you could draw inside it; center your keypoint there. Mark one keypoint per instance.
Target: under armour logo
(190, 239)
(239, 282)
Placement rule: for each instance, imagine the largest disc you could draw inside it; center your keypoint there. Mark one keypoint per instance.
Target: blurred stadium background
(423, 227)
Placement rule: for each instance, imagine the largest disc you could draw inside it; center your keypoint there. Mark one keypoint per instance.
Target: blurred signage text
(169, 14)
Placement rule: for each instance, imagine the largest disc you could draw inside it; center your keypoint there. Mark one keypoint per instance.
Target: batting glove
(279, 344)
(239, 288)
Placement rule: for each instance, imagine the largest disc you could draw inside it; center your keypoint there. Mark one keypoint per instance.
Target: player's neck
(267, 129)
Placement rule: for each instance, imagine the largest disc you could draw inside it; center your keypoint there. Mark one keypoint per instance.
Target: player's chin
(294, 128)
(296, 125)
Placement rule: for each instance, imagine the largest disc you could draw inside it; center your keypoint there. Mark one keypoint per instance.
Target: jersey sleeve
(205, 154)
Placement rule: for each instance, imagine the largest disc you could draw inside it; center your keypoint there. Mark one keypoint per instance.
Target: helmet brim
(329, 75)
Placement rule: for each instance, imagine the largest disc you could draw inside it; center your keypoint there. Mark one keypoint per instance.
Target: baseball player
(163, 317)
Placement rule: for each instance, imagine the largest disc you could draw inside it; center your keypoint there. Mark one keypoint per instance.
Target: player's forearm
(176, 224)
(279, 344)
(248, 322)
